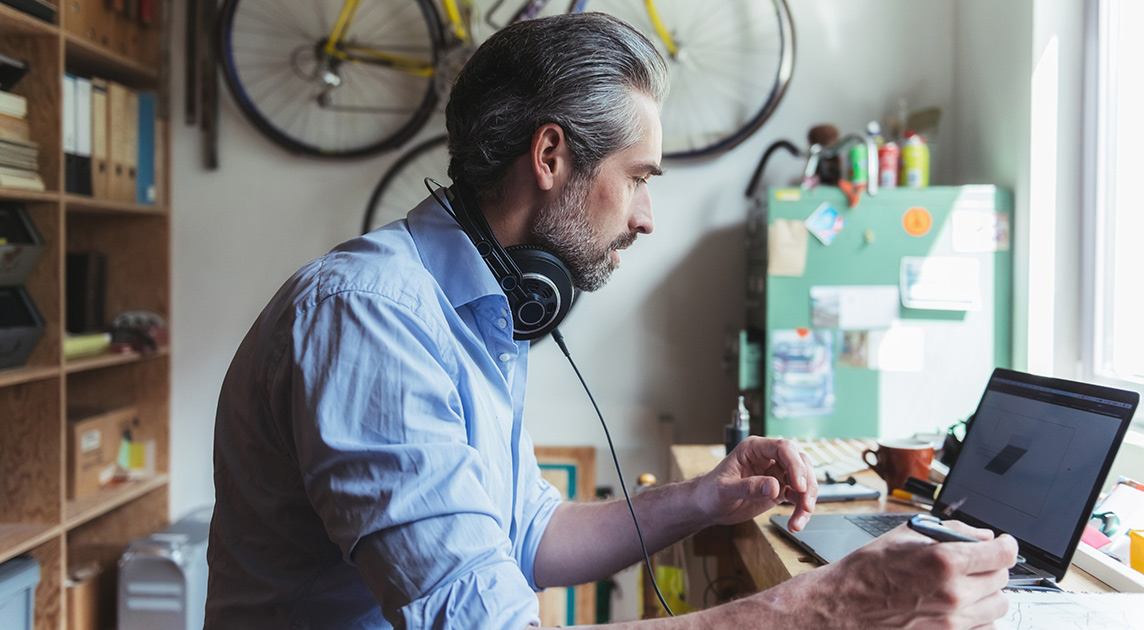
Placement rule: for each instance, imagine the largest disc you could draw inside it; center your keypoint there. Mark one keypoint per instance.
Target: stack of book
(19, 155)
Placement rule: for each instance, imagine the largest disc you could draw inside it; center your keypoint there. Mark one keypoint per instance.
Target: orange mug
(895, 460)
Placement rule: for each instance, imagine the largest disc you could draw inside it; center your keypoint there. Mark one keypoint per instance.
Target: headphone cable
(647, 560)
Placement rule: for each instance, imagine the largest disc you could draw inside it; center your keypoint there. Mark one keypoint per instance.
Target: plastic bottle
(915, 162)
(874, 131)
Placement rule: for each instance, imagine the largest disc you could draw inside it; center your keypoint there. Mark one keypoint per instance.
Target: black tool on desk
(847, 490)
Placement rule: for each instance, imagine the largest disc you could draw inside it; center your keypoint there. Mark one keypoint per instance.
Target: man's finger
(785, 453)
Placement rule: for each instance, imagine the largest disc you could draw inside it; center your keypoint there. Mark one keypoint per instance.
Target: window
(1115, 194)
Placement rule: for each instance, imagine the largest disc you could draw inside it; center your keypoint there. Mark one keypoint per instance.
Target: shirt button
(502, 322)
(504, 357)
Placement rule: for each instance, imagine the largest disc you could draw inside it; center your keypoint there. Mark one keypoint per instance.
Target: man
(370, 465)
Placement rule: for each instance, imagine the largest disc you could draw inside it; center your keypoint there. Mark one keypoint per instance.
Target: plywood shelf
(81, 203)
(90, 57)
(18, 538)
(21, 194)
(27, 374)
(14, 22)
(111, 359)
(80, 511)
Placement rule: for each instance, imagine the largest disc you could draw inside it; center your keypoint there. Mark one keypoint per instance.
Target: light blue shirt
(380, 394)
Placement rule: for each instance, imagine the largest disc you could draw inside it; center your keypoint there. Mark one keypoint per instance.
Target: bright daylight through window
(1118, 248)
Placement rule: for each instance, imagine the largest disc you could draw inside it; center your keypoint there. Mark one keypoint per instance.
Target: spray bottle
(739, 428)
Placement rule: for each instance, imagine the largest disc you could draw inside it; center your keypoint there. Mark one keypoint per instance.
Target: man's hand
(758, 475)
(905, 580)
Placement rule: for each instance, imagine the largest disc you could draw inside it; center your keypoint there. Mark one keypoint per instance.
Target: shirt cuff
(493, 597)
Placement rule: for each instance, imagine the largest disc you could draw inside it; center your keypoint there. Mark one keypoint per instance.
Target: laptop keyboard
(878, 524)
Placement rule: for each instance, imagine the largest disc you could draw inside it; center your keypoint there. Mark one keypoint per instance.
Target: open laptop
(1032, 464)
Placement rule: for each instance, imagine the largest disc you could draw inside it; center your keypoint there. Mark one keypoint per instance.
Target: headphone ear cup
(548, 286)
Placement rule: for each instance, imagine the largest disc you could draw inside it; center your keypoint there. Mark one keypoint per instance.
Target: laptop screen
(1034, 459)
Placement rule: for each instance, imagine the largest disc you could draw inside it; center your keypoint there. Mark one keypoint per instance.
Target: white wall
(651, 344)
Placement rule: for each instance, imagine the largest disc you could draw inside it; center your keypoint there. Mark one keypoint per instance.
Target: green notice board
(851, 368)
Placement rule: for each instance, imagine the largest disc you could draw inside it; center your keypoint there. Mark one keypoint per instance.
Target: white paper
(1047, 611)
(977, 231)
(786, 248)
(897, 349)
(940, 283)
(854, 307)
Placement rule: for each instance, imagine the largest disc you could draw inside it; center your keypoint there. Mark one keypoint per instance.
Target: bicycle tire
(264, 47)
(723, 85)
(402, 187)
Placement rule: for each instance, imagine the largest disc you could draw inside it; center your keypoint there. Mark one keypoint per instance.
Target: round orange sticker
(917, 221)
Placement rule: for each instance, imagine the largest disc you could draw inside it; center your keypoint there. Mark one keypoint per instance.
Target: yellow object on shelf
(86, 345)
(1137, 551)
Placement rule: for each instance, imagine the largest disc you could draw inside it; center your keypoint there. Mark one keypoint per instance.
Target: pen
(932, 527)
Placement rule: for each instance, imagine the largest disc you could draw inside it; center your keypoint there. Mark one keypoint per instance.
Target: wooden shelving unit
(36, 517)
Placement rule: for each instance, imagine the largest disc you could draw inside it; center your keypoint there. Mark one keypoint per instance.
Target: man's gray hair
(576, 70)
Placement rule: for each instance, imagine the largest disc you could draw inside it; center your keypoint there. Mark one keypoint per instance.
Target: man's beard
(563, 228)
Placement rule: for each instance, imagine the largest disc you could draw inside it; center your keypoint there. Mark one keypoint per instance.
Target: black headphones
(537, 283)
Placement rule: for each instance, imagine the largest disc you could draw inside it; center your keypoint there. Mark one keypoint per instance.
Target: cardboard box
(93, 448)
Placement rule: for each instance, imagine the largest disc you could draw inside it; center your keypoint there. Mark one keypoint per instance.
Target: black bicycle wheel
(276, 69)
(403, 185)
(730, 64)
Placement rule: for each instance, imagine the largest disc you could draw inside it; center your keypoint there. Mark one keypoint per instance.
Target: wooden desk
(771, 558)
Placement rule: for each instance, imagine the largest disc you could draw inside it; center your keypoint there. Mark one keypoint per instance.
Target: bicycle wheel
(730, 66)
(273, 59)
(403, 185)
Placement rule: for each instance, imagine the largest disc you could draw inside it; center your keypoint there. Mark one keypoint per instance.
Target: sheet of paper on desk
(1049, 611)
(838, 457)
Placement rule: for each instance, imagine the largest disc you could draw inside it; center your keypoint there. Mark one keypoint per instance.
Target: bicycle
(343, 78)
(336, 78)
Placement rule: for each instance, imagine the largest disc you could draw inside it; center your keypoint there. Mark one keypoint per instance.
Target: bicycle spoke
(360, 103)
(728, 70)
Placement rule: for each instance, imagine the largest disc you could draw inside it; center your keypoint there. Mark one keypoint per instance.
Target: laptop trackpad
(828, 539)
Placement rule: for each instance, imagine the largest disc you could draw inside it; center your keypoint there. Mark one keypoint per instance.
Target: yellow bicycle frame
(336, 49)
(661, 29)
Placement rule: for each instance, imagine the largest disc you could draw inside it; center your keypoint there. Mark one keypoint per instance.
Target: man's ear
(550, 159)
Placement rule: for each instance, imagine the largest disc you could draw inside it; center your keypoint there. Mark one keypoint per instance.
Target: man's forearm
(585, 542)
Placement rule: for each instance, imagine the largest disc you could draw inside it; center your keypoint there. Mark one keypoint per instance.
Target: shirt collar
(450, 255)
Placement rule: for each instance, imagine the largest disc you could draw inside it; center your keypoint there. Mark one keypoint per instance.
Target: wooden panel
(44, 282)
(88, 58)
(16, 22)
(554, 602)
(138, 258)
(83, 364)
(14, 376)
(84, 509)
(49, 592)
(31, 450)
(120, 526)
(81, 203)
(16, 538)
(43, 88)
